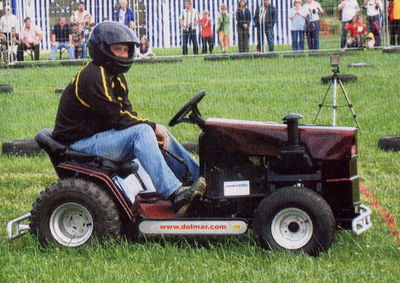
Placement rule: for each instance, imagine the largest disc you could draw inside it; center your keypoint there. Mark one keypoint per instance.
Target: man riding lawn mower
(293, 185)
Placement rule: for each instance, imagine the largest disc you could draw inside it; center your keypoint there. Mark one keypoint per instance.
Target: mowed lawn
(259, 89)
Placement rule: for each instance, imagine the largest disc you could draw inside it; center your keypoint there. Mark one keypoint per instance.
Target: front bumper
(16, 229)
(362, 222)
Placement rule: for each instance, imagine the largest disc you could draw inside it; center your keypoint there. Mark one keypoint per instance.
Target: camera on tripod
(335, 82)
(334, 60)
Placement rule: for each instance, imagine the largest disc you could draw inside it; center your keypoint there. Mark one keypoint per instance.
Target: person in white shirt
(124, 15)
(297, 17)
(313, 10)
(348, 9)
(374, 10)
(189, 20)
(7, 22)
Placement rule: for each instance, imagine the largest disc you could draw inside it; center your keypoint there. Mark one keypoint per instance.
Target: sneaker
(183, 197)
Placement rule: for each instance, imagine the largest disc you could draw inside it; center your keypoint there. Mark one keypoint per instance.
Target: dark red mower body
(238, 150)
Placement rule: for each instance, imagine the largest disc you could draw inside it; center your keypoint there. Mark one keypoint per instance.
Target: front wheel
(295, 219)
(72, 212)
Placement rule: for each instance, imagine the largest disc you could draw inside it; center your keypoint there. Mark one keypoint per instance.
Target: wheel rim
(71, 224)
(292, 228)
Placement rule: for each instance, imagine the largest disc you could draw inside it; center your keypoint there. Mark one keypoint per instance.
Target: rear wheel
(72, 212)
(295, 219)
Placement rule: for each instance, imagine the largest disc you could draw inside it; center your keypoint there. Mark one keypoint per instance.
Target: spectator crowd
(361, 26)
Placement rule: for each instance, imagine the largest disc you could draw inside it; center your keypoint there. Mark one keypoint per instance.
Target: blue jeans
(269, 32)
(313, 35)
(343, 39)
(189, 35)
(298, 40)
(140, 142)
(84, 50)
(59, 45)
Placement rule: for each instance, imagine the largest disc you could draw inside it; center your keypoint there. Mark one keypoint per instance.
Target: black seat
(60, 153)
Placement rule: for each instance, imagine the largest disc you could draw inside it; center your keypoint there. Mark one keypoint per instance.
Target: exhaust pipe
(291, 120)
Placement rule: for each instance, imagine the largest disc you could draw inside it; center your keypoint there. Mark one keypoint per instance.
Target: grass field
(259, 89)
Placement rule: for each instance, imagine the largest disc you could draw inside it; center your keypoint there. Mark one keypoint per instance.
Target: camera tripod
(335, 81)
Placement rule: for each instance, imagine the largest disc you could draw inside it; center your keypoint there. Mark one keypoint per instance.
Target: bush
(330, 7)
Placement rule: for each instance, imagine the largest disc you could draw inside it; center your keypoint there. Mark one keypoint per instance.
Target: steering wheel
(194, 117)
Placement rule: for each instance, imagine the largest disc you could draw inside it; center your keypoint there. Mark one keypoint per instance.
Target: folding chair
(29, 51)
(62, 50)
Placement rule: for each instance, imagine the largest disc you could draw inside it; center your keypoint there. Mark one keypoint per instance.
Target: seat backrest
(45, 141)
(54, 149)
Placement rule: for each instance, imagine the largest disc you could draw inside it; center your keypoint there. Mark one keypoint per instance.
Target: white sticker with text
(237, 188)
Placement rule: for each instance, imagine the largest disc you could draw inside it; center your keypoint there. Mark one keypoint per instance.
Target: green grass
(261, 89)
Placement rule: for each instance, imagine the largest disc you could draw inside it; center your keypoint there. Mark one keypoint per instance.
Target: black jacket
(94, 102)
(270, 18)
(243, 18)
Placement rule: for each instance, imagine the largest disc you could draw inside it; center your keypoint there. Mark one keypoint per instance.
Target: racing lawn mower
(292, 184)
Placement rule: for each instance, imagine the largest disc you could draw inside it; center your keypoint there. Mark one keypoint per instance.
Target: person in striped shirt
(189, 20)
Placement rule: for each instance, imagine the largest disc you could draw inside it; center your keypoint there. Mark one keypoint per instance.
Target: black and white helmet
(109, 33)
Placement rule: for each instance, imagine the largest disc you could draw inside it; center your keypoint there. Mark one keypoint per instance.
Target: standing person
(61, 37)
(243, 18)
(30, 38)
(223, 28)
(124, 15)
(206, 33)
(313, 9)
(189, 20)
(264, 20)
(79, 16)
(7, 22)
(297, 17)
(374, 10)
(348, 9)
(95, 116)
(394, 22)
